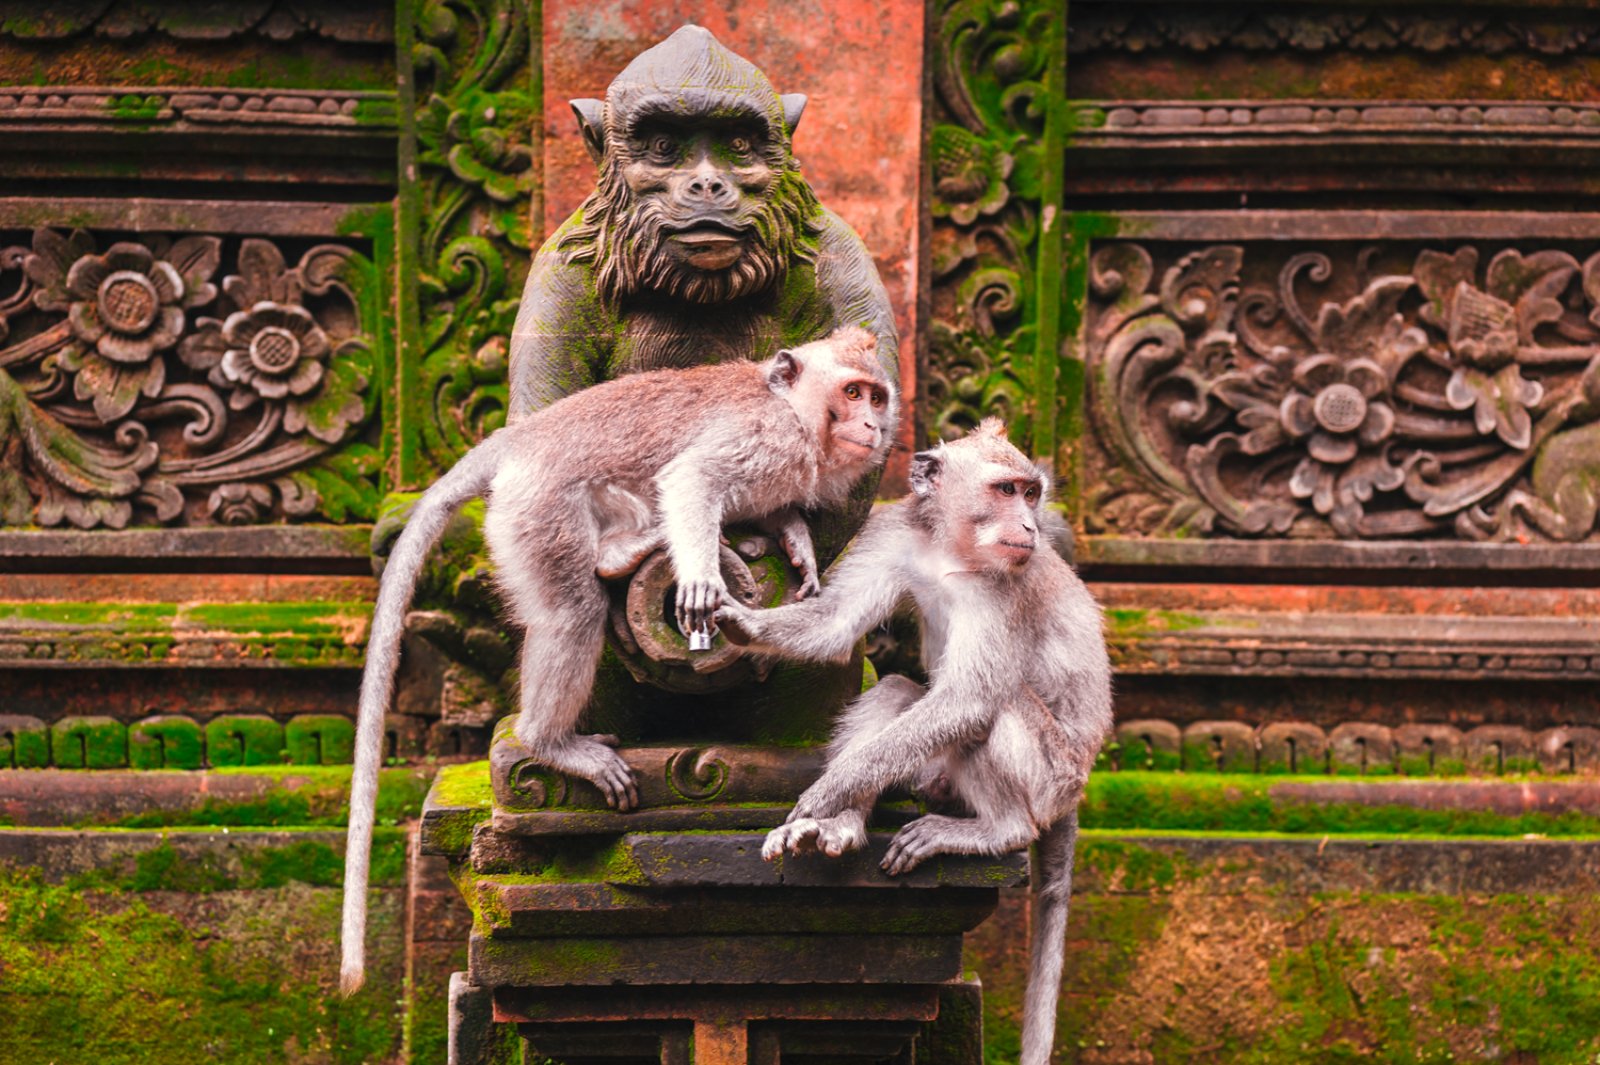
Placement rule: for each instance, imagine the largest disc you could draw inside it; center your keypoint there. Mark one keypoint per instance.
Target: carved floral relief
(1352, 393)
(144, 381)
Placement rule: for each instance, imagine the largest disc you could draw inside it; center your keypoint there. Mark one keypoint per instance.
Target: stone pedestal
(661, 935)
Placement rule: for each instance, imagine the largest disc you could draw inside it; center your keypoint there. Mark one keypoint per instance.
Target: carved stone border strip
(147, 108)
(221, 217)
(335, 548)
(1245, 226)
(1353, 748)
(1579, 564)
(1100, 123)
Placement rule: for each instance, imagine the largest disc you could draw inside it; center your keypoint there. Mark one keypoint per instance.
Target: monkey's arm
(863, 589)
(690, 500)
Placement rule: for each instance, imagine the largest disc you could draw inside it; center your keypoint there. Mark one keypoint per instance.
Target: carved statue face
(699, 197)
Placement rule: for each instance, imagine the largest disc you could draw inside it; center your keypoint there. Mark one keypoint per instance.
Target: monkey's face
(982, 498)
(1003, 516)
(704, 179)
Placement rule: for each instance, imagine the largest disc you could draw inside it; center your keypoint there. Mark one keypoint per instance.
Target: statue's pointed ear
(794, 105)
(785, 371)
(926, 469)
(592, 124)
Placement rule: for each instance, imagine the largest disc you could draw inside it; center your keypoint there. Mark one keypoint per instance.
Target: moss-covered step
(280, 634)
(276, 796)
(1309, 950)
(1150, 801)
(182, 948)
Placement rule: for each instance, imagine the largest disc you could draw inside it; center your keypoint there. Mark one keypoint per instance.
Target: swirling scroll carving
(1444, 398)
(985, 156)
(132, 390)
(475, 108)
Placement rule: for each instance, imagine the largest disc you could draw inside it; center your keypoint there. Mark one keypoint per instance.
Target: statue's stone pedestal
(661, 935)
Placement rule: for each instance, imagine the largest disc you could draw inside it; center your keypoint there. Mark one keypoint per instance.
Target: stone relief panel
(985, 154)
(1344, 390)
(186, 380)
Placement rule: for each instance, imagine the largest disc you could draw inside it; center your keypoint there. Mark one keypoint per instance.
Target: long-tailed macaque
(591, 485)
(1019, 695)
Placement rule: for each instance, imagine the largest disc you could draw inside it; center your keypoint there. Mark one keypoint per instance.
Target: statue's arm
(847, 280)
(562, 335)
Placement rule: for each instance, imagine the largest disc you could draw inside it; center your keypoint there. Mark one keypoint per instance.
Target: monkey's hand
(796, 540)
(740, 624)
(698, 601)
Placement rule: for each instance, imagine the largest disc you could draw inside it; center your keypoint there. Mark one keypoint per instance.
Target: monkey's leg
(937, 834)
(844, 831)
(621, 554)
(795, 536)
(559, 650)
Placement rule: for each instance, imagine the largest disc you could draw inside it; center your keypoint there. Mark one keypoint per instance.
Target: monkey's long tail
(1051, 895)
(468, 479)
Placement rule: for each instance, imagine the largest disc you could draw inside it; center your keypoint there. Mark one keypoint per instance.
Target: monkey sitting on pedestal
(1019, 699)
(588, 487)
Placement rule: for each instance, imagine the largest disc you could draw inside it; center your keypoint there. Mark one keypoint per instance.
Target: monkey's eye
(852, 392)
(662, 146)
(879, 398)
(740, 144)
(1031, 495)
(1006, 488)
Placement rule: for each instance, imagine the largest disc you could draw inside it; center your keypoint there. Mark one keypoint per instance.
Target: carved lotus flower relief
(126, 306)
(272, 352)
(1337, 409)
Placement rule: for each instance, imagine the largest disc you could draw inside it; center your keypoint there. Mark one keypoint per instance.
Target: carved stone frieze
(189, 380)
(1384, 391)
(1119, 121)
(1506, 30)
(354, 21)
(157, 108)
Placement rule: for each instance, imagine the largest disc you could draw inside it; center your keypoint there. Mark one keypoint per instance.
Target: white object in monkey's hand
(1020, 698)
(589, 486)
(700, 640)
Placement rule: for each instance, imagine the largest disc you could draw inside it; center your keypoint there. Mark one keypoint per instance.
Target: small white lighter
(699, 640)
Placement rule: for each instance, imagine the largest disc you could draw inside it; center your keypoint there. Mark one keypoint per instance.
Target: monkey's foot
(797, 837)
(919, 841)
(840, 835)
(592, 758)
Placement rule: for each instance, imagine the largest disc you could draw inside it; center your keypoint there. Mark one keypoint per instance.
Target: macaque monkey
(589, 486)
(1019, 695)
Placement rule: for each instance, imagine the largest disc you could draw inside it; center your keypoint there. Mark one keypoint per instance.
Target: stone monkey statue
(701, 241)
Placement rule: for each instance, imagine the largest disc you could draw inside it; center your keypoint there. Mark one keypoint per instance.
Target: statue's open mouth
(708, 233)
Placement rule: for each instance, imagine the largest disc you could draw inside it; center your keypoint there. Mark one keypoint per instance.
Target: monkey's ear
(592, 124)
(926, 469)
(785, 371)
(794, 105)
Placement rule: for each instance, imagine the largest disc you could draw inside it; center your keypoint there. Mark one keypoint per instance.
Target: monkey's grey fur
(1019, 699)
(591, 485)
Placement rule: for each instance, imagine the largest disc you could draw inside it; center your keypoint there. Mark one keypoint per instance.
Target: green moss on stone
(243, 740)
(320, 739)
(89, 743)
(309, 796)
(166, 741)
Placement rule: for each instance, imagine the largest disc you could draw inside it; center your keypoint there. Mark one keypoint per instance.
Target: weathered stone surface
(670, 960)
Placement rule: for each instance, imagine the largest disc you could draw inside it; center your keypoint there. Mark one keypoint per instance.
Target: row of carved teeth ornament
(117, 393)
(1446, 401)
